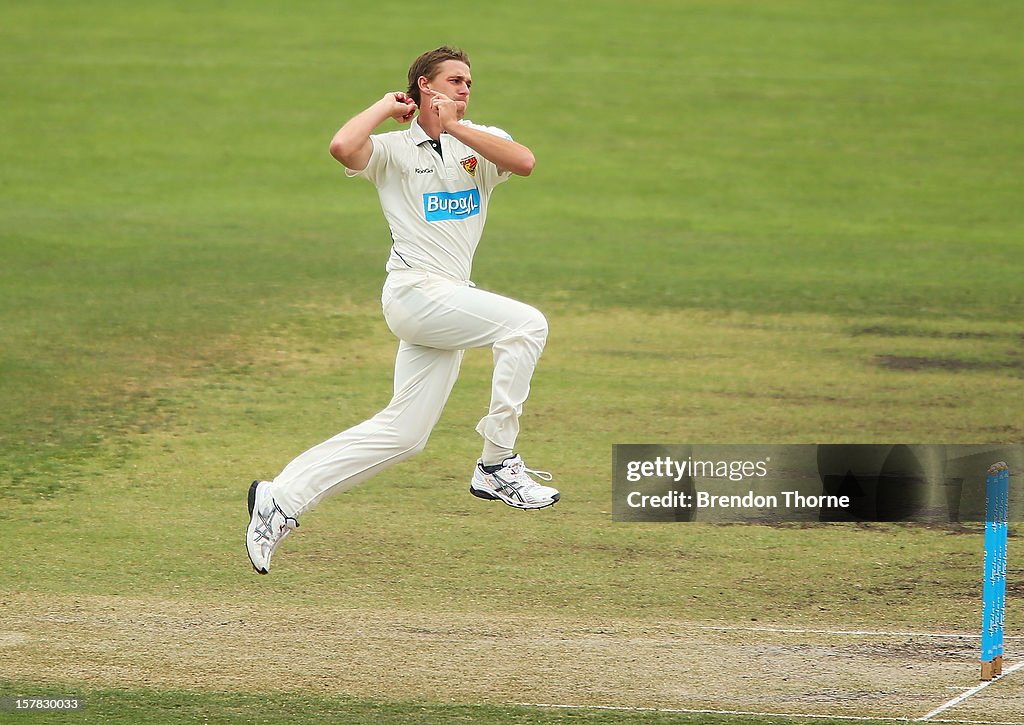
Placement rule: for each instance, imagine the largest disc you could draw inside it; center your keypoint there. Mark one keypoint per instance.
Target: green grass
(750, 222)
(136, 705)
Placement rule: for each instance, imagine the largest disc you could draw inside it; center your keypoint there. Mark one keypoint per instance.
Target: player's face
(453, 79)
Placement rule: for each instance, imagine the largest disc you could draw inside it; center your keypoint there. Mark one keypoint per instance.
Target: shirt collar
(418, 134)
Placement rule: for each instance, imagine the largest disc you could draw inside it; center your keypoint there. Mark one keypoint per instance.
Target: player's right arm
(351, 145)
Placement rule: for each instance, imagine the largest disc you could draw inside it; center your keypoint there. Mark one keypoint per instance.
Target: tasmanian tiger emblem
(469, 164)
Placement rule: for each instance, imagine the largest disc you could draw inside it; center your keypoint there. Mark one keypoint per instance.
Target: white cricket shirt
(435, 205)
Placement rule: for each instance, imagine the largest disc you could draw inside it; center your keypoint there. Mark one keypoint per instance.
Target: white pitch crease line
(979, 722)
(969, 693)
(851, 632)
(751, 713)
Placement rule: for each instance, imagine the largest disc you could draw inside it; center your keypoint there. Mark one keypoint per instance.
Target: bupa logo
(447, 205)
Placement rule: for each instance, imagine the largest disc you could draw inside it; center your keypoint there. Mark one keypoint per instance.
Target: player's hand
(447, 110)
(401, 107)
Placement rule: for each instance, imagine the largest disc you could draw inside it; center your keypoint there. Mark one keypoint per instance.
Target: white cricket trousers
(435, 319)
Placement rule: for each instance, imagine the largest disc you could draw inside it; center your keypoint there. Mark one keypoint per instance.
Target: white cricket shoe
(512, 484)
(268, 525)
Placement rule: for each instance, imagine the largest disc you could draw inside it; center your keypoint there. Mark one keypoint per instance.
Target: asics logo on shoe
(445, 205)
(506, 487)
(511, 483)
(267, 529)
(268, 525)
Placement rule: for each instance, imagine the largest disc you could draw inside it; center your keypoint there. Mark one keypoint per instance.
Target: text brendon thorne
(748, 500)
(807, 483)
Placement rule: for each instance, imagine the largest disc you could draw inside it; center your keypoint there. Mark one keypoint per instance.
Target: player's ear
(423, 82)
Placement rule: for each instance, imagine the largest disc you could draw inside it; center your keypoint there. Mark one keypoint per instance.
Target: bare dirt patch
(385, 654)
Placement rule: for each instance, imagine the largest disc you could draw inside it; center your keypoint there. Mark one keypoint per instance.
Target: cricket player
(434, 180)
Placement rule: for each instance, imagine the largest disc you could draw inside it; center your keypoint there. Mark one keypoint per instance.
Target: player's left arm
(502, 152)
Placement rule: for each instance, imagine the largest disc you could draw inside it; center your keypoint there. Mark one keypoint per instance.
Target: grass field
(792, 222)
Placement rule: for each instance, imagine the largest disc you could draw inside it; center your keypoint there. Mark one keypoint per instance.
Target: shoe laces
(271, 531)
(522, 473)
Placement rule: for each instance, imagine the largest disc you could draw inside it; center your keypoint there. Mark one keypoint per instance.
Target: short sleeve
(492, 174)
(377, 164)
